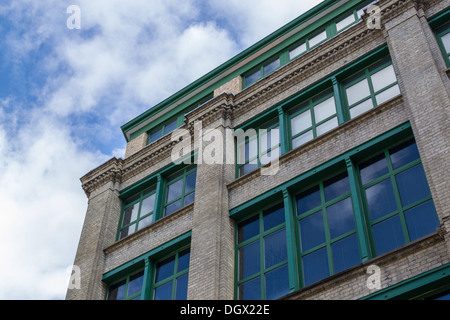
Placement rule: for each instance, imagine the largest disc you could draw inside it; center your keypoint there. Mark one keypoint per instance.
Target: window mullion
(339, 102)
(290, 240)
(158, 207)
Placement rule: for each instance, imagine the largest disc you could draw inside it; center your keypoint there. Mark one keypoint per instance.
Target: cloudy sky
(64, 93)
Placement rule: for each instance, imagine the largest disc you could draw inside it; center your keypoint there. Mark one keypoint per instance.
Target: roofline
(229, 64)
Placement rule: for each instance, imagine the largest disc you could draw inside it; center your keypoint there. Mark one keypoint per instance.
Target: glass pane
(324, 110)
(181, 286)
(317, 39)
(357, 92)
(268, 68)
(126, 231)
(165, 268)
(446, 41)
(130, 200)
(155, 135)
(253, 77)
(361, 108)
(345, 22)
(249, 260)
(421, 220)
(147, 205)
(251, 149)
(183, 260)
(412, 185)
(297, 51)
(277, 283)
(269, 139)
(117, 291)
(145, 222)
(135, 283)
(388, 235)
(340, 218)
(336, 186)
(190, 182)
(312, 231)
(373, 168)
(315, 266)
(189, 199)
(387, 94)
(383, 78)
(302, 139)
(327, 126)
(171, 208)
(248, 228)
(404, 154)
(174, 190)
(164, 292)
(247, 168)
(275, 248)
(381, 199)
(308, 200)
(273, 217)
(250, 290)
(130, 214)
(170, 126)
(301, 122)
(345, 253)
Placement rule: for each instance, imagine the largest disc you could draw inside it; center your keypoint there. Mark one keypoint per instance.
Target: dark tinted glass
(404, 154)
(248, 228)
(336, 186)
(273, 217)
(421, 220)
(135, 283)
(308, 200)
(275, 248)
(117, 291)
(165, 268)
(249, 260)
(340, 218)
(183, 260)
(250, 290)
(315, 266)
(388, 235)
(312, 231)
(181, 287)
(381, 199)
(373, 168)
(345, 253)
(164, 292)
(277, 283)
(412, 185)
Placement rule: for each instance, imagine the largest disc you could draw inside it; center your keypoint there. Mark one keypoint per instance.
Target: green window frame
(396, 176)
(163, 129)
(261, 71)
(348, 20)
(258, 147)
(137, 212)
(327, 241)
(180, 189)
(171, 276)
(443, 39)
(261, 255)
(370, 87)
(312, 118)
(127, 288)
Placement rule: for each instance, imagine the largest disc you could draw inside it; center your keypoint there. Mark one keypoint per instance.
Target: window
(162, 130)
(443, 38)
(262, 256)
(129, 288)
(171, 277)
(349, 20)
(163, 278)
(328, 241)
(370, 87)
(258, 147)
(397, 197)
(180, 189)
(138, 212)
(307, 44)
(261, 71)
(313, 118)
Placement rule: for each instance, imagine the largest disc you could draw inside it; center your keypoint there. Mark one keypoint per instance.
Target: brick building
(352, 105)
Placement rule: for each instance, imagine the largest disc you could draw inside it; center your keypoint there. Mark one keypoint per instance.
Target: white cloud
(127, 57)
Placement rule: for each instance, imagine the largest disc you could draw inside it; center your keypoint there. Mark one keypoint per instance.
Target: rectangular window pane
(421, 220)
(336, 186)
(317, 39)
(383, 78)
(249, 260)
(250, 290)
(181, 287)
(155, 135)
(145, 222)
(135, 283)
(147, 205)
(189, 199)
(190, 182)
(297, 51)
(361, 108)
(340, 218)
(403, 154)
(268, 68)
(301, 122)
(130, 214)
(164, 292)
(324, 110)
(308, 200)
(174, 190)
(412, 185)
(302, 139)
(183, 260)
(126, 231)
(170, 126)
(273, 217)
(172, 207)
(275, 248)
(117, 291)
(253, 77)
(345, 253)
(248, 229)
(387, 94)
(345, 22)
(327, 126)
(446, 42)
(388, 235)
(312, 232)
(381, 199)
(165, 269)
(358, 91)
(315, 266)
(373, 168)
(277, 283)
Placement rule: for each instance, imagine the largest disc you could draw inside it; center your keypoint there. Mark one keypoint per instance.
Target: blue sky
(65, 93)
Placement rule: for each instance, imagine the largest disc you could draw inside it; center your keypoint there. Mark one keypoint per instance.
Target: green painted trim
(414, 286)
(321, 23)
(363, 150)
(291, 234)
(439, 18)
(152, 255)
